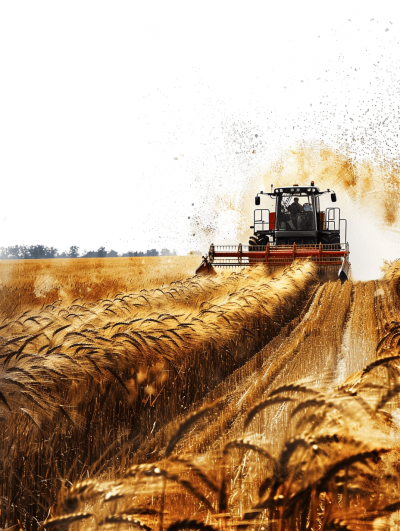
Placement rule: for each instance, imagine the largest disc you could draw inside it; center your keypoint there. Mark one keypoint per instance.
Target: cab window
(296, 212)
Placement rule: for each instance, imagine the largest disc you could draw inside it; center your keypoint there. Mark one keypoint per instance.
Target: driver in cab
(294, 209)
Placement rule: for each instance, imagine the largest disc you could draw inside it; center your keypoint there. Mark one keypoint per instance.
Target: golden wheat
(337, 472)
(108, 372)
(27, 284)
(95, 399)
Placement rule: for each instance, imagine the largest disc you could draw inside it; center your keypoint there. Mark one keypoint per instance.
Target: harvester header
(297, 228)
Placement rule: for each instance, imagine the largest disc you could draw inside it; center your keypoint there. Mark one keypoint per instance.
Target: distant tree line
(151, 252)
(25, 252)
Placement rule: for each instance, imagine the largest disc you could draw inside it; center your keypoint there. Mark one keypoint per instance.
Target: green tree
(73, 251)
(152, 252)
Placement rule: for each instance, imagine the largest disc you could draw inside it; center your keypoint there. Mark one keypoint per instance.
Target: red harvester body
(293, 231)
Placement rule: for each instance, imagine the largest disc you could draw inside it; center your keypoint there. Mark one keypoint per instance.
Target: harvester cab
(296, 228)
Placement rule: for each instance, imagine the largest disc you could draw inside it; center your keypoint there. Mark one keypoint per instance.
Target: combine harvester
(298, 229)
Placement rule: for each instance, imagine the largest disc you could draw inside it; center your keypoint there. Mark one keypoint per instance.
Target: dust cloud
(368, 195)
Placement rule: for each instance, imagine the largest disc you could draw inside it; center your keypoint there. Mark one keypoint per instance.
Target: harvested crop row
(317, 328)
(317, 346)
(99, 344)
(188, 295)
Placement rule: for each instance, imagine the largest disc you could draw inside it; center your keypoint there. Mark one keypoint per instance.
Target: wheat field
(28, 284)
(254, 399)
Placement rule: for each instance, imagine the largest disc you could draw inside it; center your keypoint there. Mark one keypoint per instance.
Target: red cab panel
(272, 221)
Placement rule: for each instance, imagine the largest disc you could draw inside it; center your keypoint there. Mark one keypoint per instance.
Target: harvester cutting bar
(297, 253)
(278, 262)
(324, 255)
(328, 254)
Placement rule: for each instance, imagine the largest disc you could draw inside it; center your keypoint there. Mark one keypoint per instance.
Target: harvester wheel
(256, 241)
(255, 244)
(252, 242)
(331, 239)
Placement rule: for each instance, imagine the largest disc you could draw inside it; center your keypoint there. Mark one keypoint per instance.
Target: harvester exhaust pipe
(326, 257)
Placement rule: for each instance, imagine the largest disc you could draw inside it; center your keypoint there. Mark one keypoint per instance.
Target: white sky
(98, 99)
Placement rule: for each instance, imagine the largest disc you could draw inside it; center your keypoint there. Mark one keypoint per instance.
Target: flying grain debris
(258, 398)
